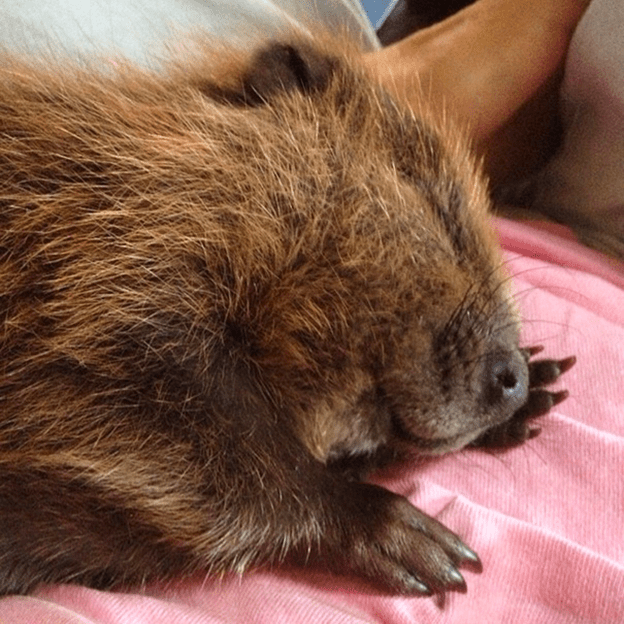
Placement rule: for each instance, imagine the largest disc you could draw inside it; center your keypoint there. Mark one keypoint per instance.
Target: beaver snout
(506, 383)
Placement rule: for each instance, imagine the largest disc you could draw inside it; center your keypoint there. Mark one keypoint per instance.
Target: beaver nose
(507, 380)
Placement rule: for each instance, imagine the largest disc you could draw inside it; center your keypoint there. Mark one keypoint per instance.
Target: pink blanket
(546, 518)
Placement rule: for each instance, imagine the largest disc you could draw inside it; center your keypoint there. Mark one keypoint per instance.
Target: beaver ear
(275, 69)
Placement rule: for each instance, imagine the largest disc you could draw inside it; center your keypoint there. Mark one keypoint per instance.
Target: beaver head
(387, 312)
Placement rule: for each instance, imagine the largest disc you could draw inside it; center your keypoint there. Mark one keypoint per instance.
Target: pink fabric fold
(546, 518)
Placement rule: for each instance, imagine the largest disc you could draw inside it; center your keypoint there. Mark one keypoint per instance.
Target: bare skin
(483, 63)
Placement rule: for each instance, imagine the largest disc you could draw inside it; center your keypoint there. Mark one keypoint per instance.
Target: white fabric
(587, 178)
(138, 29)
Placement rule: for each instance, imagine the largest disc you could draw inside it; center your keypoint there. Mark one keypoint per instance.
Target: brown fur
(215, 293)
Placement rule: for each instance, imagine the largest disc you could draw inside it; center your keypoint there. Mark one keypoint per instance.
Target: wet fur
(221, 286)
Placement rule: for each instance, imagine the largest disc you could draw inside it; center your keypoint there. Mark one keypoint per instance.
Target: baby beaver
(224, 292)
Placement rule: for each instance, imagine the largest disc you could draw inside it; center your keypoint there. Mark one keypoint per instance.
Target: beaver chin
(442, 446)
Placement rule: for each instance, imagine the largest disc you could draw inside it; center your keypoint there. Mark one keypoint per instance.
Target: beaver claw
(518, 429)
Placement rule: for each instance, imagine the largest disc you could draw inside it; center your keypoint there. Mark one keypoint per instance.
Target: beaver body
(220, 290)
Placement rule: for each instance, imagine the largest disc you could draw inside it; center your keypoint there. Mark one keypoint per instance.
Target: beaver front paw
(397, 546)
(518, 428)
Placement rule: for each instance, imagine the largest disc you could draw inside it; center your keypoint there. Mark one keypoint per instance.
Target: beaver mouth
(443, 444)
